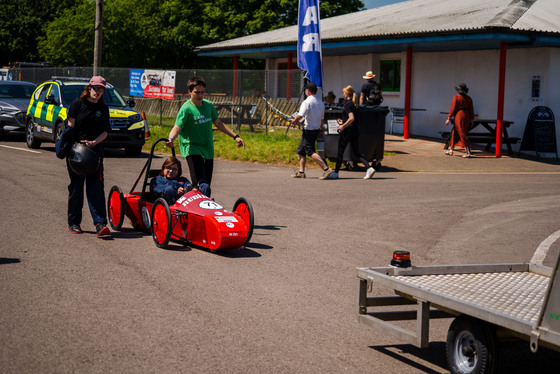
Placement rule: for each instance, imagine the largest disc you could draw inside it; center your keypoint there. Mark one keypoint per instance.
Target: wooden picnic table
(241, 113)
(488, 135)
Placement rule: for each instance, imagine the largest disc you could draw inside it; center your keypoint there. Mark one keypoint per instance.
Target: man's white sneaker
(326, 173)
(369, 173)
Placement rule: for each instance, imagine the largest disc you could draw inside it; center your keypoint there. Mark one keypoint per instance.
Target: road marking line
(19, 149)
(542, 250)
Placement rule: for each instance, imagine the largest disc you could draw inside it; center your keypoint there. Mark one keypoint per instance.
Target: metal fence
(250, 87)
(273, 83)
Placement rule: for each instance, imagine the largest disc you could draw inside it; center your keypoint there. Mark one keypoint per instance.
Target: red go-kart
(193, 219)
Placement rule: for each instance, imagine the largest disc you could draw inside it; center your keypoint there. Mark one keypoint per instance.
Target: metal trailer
(488, 302)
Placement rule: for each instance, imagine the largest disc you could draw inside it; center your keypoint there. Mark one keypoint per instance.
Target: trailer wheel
(161, 223)
(471, 347)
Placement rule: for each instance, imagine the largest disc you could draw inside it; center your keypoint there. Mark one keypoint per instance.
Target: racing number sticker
(222, 219)
(209, 204)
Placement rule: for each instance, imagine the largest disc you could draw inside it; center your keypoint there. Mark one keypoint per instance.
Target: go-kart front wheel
(243, 207)
(116, 207)
(161, 223)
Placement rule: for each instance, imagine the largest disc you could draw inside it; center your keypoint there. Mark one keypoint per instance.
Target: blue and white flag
(309, 41)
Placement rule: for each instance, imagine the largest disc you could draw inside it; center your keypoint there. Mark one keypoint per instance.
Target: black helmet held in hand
(83, 161)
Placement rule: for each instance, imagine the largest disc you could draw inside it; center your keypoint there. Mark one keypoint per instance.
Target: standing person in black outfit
(366, 89)
(89, 118)
(349, 133)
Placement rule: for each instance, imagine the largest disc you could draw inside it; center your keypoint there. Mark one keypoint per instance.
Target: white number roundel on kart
(209, 204)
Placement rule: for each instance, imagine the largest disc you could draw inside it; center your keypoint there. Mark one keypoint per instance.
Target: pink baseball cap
(98, 81)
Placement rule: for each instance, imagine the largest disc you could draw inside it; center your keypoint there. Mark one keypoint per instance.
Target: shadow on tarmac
(434, 355)
(5, 260)
(268, 227)
(242, 252)
(513, 357)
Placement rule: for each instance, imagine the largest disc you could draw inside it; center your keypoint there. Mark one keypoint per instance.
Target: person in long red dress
(463, 112)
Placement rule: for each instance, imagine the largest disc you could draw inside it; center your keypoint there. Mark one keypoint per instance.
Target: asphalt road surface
(286, 303)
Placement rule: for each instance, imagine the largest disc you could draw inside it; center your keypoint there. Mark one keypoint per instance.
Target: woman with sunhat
(463, 113)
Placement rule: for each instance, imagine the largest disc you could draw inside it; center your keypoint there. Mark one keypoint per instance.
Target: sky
(377, 3)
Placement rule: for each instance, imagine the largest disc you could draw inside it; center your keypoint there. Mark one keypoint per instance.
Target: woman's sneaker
(334, 175)
(298, 174)
(75, 229)
(369, 173)
(102, 230)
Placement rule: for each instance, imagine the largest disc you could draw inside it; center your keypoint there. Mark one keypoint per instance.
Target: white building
(447, 42)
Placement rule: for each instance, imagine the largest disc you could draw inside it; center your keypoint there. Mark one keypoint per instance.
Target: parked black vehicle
(14, 100)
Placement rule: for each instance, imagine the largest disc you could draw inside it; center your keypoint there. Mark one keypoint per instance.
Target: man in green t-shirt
(193, 126)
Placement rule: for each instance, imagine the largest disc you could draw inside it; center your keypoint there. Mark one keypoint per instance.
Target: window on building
(390, 77)
(536, 88)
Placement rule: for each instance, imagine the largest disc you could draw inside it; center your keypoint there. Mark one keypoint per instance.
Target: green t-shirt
(196, 136)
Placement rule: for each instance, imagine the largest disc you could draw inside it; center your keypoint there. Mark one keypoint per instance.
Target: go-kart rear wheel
(161, 223)
(116, 207)
(243, 207)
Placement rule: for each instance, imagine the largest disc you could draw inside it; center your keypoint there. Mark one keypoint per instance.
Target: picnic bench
(487, 137)
(240, 114)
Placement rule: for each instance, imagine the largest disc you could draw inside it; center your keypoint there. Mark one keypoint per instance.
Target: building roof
(426, 24)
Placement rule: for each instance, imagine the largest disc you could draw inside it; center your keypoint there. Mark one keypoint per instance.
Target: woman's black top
(92, 119)
(348, 108)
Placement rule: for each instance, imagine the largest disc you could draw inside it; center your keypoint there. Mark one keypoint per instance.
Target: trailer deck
(509, 296)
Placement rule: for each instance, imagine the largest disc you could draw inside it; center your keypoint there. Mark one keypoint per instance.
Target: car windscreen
(16, 91)
(73, 91)
(113, 98)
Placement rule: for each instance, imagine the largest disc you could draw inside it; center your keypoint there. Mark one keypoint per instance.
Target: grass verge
(273, 148)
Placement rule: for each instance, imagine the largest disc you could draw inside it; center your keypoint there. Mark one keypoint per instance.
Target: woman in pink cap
(88, 116)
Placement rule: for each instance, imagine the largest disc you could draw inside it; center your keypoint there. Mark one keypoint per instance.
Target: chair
(397, 116)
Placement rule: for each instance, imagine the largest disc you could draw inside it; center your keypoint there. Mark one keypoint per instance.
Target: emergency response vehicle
(47, 115)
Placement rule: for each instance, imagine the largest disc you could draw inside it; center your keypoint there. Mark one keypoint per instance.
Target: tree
(163, 34)
(21, 23)
(69, 39)
(225, 19)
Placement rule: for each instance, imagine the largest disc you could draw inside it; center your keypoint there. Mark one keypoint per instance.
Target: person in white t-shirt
(314, 112)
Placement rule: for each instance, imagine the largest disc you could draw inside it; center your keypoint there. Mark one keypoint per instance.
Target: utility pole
(98, 36)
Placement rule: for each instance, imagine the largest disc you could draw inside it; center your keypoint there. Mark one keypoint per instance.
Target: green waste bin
(371, 123)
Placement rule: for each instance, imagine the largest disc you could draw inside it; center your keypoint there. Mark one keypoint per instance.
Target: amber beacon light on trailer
(401, 259)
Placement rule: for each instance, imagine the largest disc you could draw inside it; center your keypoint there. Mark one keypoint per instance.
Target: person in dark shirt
(88, 116)
(349, 133)
(366, 89)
